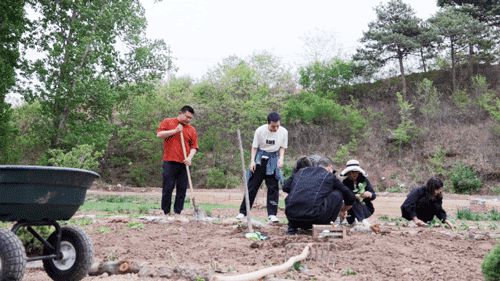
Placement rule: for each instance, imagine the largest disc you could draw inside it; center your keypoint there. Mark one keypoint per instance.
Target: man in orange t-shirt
(174, 162)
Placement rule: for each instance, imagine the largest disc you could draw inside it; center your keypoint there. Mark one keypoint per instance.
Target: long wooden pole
(196, 210)
(245, 183)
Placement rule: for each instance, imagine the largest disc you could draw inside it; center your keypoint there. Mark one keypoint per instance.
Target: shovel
(198, 213)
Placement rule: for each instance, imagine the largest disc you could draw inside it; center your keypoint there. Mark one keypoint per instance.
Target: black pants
(334, 204)
(358, 211)
(254, 184)
(174, 175)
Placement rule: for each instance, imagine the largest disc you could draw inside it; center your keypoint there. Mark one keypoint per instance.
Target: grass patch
(120, 204)
(104, 229)
(137, 205)
(466, 214)
(398, 221)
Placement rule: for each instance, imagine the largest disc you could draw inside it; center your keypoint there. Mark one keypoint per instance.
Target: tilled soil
(203, 248)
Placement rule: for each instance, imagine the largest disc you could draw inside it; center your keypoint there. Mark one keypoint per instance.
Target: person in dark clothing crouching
(357, 181)
(423, 203)
(315, 196)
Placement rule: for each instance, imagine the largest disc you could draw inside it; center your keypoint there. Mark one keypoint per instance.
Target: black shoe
(292, 230)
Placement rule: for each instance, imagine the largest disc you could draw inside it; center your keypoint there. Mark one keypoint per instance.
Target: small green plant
(199, 278)
(298, 266)
(464, 179)
(348, 271)
(104, 229)
(135, 225)
(435, 223)
(463, 226)
(491, 265)
(398, 188)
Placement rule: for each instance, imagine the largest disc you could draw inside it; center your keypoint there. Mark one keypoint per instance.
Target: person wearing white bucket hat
(357, 181)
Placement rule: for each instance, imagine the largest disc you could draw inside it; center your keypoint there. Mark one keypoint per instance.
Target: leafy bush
(32, 245)
(217, 179)
(82, 156)
(345, 151)
(406, 130)
(461, 100)
(491, 265)
(464, 179)
(310, 108)
(490, 102)
(430, 98)
(437, 161)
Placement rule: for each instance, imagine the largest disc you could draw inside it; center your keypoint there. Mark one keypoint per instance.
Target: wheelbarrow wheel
(76, 249)
(12, 256)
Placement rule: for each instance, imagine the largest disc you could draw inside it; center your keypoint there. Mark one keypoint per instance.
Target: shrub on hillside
(217, 179)
(491, 264)
(310, 108)
(81, 156)
(406, 130)
(464, 179)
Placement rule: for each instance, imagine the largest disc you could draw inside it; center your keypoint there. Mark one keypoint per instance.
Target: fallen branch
(114, 268)
(256, 275)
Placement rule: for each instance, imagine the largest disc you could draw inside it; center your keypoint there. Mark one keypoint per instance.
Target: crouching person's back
(315, 196)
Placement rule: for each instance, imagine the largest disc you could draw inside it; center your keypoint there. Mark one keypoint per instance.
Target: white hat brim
(353, 168)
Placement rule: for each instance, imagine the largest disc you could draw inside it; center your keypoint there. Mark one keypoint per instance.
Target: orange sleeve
(165, 125)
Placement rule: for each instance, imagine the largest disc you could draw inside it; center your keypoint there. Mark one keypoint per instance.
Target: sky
(201, 33)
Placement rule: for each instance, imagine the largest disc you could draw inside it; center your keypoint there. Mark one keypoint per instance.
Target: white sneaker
(240, 216)
(273, 219)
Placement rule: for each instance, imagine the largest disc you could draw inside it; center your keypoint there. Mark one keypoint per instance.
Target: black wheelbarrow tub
(37, 193)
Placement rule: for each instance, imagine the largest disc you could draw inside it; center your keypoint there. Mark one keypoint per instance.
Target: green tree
(486, 11)
(427, 41)
(12, 24)
(326, 77)
(392, 36)
(458, 30)
(81, 71)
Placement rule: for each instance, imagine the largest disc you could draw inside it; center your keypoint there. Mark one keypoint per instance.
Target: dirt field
(179, 248)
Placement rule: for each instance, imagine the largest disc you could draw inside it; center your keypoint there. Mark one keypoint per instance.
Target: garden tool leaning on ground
(251, 234)
(198, 213)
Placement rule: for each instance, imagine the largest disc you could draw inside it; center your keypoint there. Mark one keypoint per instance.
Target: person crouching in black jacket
(315, 196)
(357, 181)
(423, 203)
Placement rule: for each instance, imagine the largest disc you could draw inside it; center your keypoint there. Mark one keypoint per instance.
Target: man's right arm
(252, 161)
(167, 133)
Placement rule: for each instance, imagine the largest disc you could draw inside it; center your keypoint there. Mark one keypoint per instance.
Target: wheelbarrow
(42, 196)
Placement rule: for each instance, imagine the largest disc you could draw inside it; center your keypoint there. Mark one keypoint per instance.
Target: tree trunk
(402, 71)
(453, 74)
(423, 59)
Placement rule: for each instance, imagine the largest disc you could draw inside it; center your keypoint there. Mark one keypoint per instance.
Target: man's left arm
(192, 150)
(282, 157)
(283, 147)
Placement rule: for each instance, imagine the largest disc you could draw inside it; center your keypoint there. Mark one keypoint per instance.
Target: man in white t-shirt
(268, 152)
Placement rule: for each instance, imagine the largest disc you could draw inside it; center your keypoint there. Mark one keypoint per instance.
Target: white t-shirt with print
(270, 141)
